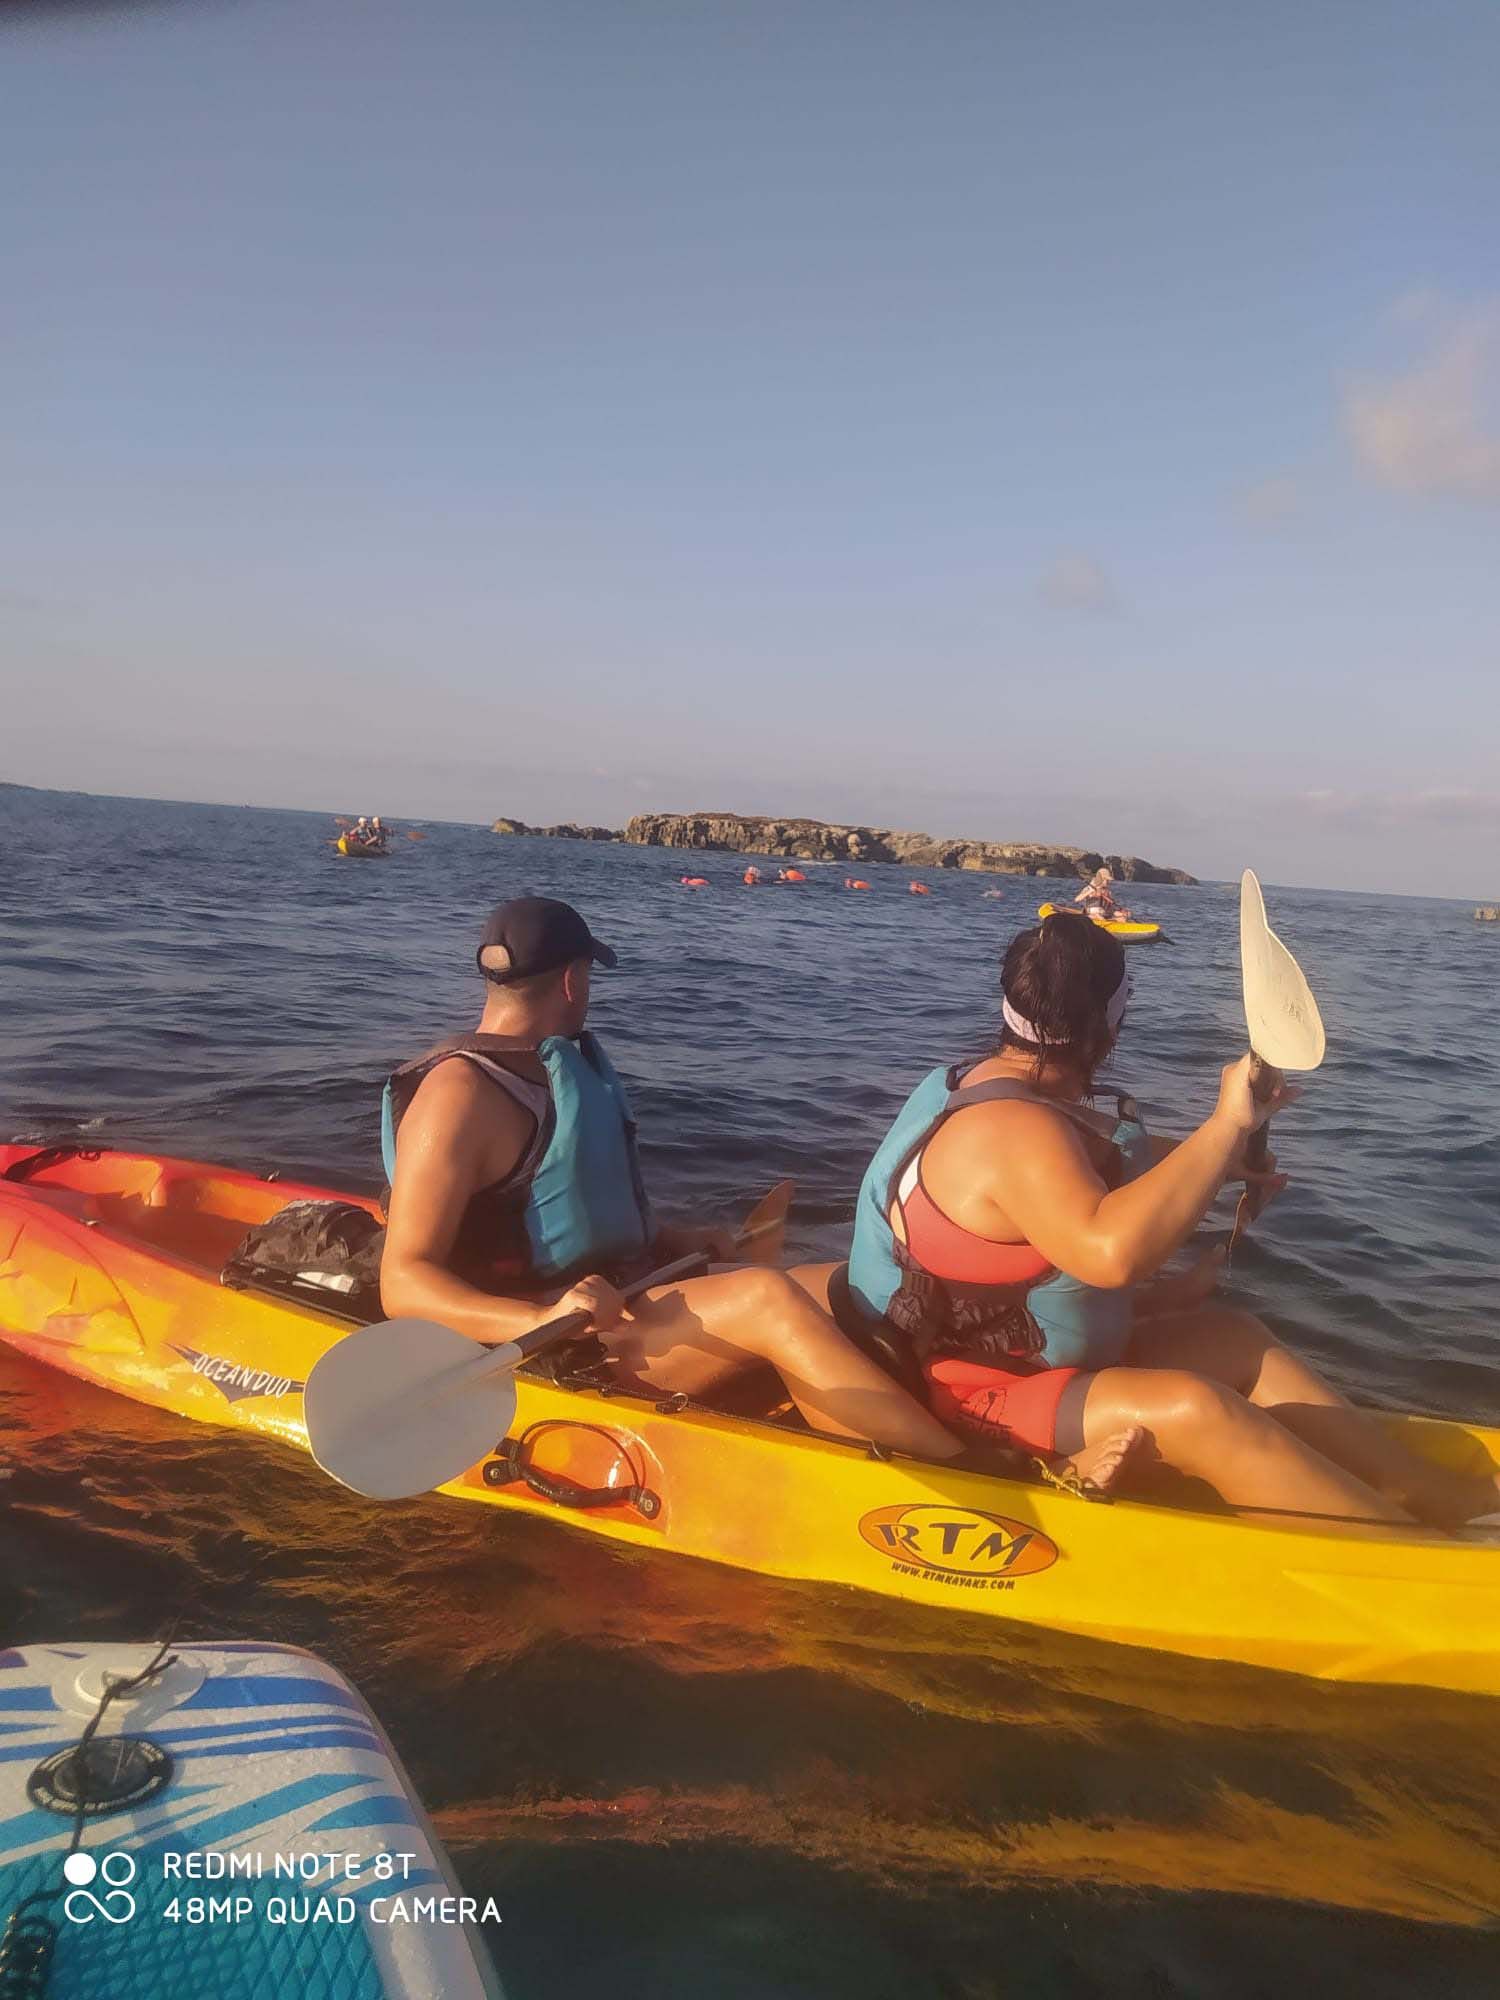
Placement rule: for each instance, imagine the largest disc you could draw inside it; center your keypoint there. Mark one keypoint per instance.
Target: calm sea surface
(674, 1779)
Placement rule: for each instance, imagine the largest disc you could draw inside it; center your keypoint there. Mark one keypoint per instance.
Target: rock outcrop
(569, 831)
(816, 840)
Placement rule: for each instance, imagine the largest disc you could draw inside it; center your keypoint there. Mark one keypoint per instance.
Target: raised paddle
(406, 1405)
(1286, 1029)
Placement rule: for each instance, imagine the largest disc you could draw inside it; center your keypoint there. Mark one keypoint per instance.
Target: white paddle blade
(1286, 1029)
(401, 1407)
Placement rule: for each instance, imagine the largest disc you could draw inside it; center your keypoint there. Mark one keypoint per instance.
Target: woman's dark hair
(1060, 977)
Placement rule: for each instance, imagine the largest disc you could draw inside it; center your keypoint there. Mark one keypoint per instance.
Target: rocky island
(818, 840)
(569, 831)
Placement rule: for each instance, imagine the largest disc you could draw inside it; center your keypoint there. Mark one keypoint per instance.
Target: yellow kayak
(109, 1270)
(360, 850)
(1110, 924)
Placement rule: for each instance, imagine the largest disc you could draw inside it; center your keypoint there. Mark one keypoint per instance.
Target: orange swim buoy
(850, 883)
(695, 881)
(919, 888)
(792, 875)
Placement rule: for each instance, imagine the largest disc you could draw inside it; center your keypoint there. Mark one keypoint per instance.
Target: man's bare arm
(453, 1141)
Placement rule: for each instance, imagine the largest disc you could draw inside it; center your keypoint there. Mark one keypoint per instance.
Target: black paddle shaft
(540, 1337)
(1264, 1083)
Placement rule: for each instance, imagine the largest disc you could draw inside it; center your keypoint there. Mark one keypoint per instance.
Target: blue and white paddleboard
(258, 1837)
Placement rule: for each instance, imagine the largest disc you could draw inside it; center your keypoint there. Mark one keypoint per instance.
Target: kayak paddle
(403, 1406)
(1286, 1029)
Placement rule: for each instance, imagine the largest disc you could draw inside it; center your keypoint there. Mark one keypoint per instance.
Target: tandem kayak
(109, 1270)
(1110, 924)
(356, 850)
(248, 1829)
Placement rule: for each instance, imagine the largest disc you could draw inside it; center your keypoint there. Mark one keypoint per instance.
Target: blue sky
(1074, 423)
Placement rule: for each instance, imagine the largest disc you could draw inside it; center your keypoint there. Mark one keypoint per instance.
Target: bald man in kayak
(516, 1196)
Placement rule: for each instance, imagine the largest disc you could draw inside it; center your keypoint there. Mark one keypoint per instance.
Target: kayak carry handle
(514, 1461)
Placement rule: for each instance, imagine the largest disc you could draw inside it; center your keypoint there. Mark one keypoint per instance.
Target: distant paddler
(1098, 899)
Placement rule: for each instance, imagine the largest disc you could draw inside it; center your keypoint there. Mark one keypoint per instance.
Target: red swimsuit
(1020, 1402)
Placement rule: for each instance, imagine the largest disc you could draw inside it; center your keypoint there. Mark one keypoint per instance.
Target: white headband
(1114, 1013)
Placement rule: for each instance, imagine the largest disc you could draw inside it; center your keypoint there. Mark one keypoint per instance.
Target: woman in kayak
(1009, 1239)
(1098, 899)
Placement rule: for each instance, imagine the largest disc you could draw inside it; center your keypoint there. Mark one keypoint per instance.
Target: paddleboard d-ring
(110, 1774)
(515, 1458)
(102, 1774)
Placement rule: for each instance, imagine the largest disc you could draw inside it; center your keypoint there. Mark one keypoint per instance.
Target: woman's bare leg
(1099, 1464)
(814, 1280)
(1207, 1429)
(689, 1336)
(1234, 1346)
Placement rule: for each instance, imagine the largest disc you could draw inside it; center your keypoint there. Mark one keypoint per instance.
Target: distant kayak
(359, 850)
(1111, 924)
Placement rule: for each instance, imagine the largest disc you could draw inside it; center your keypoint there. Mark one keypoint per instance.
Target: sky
(1073, 423)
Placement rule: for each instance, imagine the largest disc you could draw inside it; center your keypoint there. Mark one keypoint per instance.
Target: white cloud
(1417, 307)
(1434, 428)
(1269, 502)
(1437, 806)
(1076, 582)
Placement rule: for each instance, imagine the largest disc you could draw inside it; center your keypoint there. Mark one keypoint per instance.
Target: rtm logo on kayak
(233, 1379)
(958, 1545)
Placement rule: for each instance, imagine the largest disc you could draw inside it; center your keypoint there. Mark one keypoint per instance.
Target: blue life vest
(576, 1203)
(1051, 1319)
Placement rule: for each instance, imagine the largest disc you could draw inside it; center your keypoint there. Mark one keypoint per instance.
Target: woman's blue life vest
(1050, 1319)
(575, 1203)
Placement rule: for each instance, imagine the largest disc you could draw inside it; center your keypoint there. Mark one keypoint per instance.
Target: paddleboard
(250, 1832)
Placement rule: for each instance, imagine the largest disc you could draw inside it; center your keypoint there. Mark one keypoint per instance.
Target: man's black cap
(532, 934)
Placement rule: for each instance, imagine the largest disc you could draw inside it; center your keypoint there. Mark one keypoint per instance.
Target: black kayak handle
(514, 1461)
